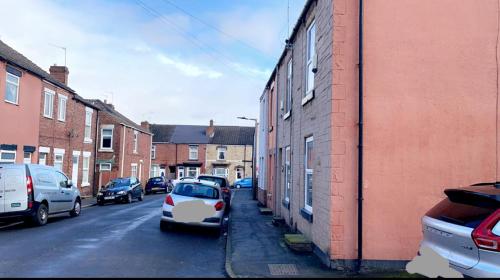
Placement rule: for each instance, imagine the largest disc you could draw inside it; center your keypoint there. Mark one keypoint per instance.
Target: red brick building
(123, 147)
(67, 131)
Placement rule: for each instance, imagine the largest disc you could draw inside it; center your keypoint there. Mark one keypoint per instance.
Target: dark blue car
(158, 184)
(121, 190)
(243, 183)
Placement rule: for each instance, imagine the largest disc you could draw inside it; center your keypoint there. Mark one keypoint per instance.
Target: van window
(62, 180)
(44, 178)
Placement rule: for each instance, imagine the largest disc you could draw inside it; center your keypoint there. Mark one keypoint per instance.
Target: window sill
(85, 185)
(306, 215)
(10, 102)
(87, 141)
(48, 117)
(287, 115)
(105, 150)
(61, 120)
(286, 204)
(308, 97)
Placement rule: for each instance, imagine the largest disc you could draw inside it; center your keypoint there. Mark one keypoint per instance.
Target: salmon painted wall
(271, 146)
(19, 123)
(430, 112)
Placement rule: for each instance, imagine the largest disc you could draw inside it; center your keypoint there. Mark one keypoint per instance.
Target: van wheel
(76, 209)
(41, 216)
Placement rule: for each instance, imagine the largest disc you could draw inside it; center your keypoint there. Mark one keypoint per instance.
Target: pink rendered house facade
(428, 73)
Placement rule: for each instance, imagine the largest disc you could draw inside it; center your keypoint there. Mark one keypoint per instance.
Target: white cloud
(189, 69)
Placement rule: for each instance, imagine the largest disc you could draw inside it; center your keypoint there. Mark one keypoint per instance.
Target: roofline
(135, 128)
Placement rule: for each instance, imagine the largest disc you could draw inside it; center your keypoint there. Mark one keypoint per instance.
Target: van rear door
(15, 190)
(2, 196)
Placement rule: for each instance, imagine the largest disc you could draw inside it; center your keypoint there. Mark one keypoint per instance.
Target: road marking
(11, 225)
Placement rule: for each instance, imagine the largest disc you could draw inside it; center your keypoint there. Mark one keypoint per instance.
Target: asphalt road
(122, 240)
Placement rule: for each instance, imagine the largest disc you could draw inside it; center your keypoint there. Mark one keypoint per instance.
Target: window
(133, 172)
(85, 169)
(288, 174)
(193, 152)
(107, 138)
(42, 159)
(219, 171)
(192, 172)
(136, 138)
(105, 167)
(309, 169)
(48, 107)
(180, 172)
(63, 100)
(88, 125)
(221, 153)
(311, 53)
(58, 161)
(239, 173)
(288, 97)
(12, 89)
(155, 170)
(27, 158)
(153, 152)
(7, 156)
(62, 180)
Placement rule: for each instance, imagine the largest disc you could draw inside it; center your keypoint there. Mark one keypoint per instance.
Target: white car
(194, 202)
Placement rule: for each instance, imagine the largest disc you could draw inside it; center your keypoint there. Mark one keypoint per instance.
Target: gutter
(360, 141)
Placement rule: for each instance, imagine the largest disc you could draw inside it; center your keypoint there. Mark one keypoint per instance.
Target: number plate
(109, 197)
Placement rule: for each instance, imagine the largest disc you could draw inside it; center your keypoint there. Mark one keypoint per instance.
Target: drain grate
(282, 269)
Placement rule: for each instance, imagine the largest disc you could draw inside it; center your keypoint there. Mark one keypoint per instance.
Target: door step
(298, 243)
(265, 211)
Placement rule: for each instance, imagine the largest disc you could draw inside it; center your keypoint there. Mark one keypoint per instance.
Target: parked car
(194, 202)
(243, 183)
(157, 184)
(175, 181)
(34, 192)
(464, 228)
(121, 190)
(224, 185)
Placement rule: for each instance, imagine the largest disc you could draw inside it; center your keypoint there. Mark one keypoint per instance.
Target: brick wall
(236, 156)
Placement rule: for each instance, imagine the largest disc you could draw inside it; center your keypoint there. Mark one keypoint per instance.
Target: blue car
(157, 184)
(243, 183)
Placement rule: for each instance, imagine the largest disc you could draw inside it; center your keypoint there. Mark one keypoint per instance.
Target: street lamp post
(254, 185)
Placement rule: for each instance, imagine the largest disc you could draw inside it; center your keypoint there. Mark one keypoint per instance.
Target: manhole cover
(282, 269)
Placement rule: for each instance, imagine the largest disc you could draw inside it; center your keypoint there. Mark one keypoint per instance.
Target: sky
(164, 61)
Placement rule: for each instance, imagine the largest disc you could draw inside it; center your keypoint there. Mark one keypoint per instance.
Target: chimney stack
(211, 129)
(60, 73)
(145, 125)
(109, 104)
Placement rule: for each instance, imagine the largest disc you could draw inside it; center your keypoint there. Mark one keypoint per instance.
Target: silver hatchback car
(194, 202)
(464, 228)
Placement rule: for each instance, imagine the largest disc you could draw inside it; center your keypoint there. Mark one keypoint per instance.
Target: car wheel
(129, 198)
(77, 208)
(141, 198)
(41, 216)
(238, 186)
(100, 203)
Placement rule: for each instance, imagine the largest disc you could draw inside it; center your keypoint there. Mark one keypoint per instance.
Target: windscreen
(196, 190)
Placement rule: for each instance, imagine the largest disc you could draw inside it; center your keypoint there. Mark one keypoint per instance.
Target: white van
(33, 192)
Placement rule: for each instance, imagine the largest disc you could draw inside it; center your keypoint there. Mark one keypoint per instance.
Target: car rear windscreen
(196, 190)
(462, 211)
(219, 181)
(155, 180)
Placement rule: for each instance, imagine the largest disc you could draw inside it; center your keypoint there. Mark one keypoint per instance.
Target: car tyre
(41, 216)
(141, 197)
(100, 203)
(129, 198)
(77, 208)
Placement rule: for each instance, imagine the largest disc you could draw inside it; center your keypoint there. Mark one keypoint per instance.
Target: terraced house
(381, 105)
(190, 150)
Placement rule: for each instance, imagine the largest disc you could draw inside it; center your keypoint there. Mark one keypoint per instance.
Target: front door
(74, 176)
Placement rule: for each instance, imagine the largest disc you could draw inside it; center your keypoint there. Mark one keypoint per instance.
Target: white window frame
(107, 127)
(88, 125)
(188, 169)
(289, 84)
(136, 140)
(133, 169)
(288, 177)
(59, 152)
(45, 151)
(153, 152)
(27, 160)
(155, 170)
(61, 114)
(219, 149)
(241, 170)
(180, 170)
(48, 107)
(86, 169)
(14, 84)
(220, 168)
(101, 167)
(307, 170)
(310, 56)
(8, 160)
(193, 149)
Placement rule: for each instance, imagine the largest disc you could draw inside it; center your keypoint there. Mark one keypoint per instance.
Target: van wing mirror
(69, 184)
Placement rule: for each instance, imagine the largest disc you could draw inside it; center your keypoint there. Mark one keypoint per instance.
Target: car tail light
(483, 235)
(169, 200)
(29, 190)
(219, 205)
(226, 190)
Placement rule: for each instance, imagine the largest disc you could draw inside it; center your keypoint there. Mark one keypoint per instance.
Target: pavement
(115, 240)
(256, 247)
(88, 202)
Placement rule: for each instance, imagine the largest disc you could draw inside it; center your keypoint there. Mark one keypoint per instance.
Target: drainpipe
(95, 154)
(275, 124)
(360, 141)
